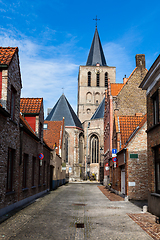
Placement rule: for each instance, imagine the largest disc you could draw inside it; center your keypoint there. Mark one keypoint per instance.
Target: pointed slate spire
(99, 113)
(63, 109)
(96, 54)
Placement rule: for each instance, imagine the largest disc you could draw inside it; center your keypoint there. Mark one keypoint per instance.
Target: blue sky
(54, 38)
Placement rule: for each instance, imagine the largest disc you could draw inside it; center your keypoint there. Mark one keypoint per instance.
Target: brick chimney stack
(140, 60)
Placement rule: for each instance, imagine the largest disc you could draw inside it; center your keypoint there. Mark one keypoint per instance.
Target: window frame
(106, 80)
(94, 149)
(33, 170)
(10, 170)
(89, 79)
(155, 101)
(25, 170)
(98, 79)
(12, 103)
(157, 165)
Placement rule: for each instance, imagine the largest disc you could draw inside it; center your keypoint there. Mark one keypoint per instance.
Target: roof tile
(52, 135)
(116, 88)
(127, 126)
(30, 105)
(6, 54)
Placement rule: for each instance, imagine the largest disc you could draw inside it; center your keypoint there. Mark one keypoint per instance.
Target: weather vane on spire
(96, 19)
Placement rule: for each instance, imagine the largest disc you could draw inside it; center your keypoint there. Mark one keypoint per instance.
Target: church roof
(99, 113)
(96, 54)
(63, 109)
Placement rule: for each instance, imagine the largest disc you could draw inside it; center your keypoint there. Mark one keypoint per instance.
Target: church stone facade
(93, 80)
(85, 132)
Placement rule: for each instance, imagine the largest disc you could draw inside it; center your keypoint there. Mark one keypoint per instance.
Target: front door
(123, 181)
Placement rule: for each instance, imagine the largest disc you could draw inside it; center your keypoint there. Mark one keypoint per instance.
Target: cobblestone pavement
(145, 220)
(74, 211)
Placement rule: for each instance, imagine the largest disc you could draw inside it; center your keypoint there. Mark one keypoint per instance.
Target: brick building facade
(126, 100)
(129, 177)
(151, 84)
(22, 176)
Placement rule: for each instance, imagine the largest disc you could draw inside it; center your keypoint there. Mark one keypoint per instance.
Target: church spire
(96, 55)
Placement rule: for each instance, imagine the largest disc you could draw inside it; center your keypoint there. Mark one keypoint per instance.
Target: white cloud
(41, 76)
(116, 55)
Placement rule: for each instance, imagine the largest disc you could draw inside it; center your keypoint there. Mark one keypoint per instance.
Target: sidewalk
(145, 220)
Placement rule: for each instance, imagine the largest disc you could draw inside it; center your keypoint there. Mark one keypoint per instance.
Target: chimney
(140, 60)
(125, 79)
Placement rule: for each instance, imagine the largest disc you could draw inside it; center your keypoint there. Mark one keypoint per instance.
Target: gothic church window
(89, 79)
(106, 79)
(94, 149)
(98, 78)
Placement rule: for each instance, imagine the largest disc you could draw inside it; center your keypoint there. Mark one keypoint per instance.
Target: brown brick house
(54, 136)
(128, 174)
(123, 99)
(22, 176)
(151, 84)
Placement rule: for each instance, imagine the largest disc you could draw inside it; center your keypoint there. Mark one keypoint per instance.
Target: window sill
(24, 189)
(10, 193)
(153, 127)
(155, 194)
(33, 187)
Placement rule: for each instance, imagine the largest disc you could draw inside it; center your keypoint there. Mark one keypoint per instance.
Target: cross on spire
(96, 19)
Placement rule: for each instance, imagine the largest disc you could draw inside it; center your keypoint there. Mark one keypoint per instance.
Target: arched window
(94, 149)
(106, 80)
(88, 110)
(97, 98)
(89, 79)
(89, 97)
(98, 77)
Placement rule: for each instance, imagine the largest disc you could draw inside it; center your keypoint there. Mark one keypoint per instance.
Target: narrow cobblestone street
(74, 211)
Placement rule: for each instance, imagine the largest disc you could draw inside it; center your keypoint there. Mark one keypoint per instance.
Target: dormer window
(89, 79)
(45, 126)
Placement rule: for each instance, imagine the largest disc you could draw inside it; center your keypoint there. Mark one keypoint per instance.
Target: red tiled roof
(127, 126)
(30, 105)
(116, 88)
(6, 54)
(53, 135)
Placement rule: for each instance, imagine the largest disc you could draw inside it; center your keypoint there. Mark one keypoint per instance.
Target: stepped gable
(63, 109)
(30, 105)
(99, 113)
(96, 54)
(6, 54)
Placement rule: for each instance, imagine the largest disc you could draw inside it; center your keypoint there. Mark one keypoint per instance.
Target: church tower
(93, 80)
